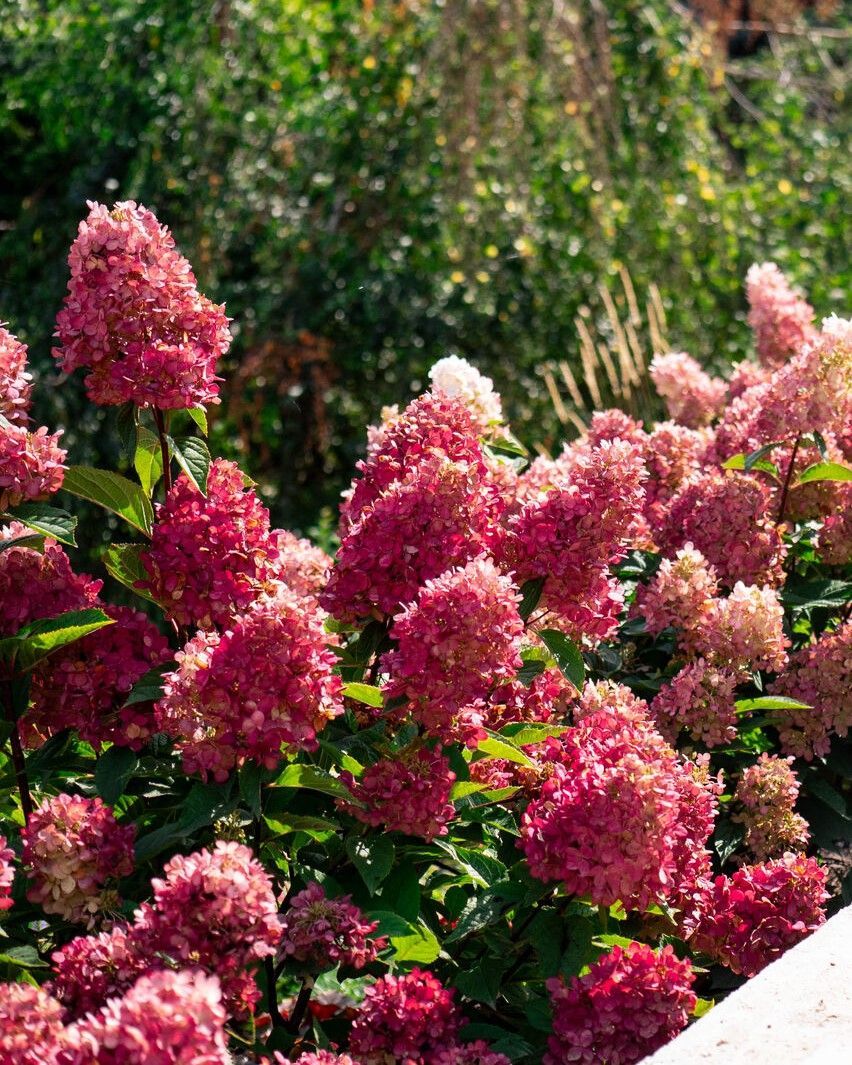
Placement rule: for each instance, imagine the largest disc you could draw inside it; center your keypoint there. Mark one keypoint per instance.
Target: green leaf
(520, 733)
(148, 459)
(368, 694)
(826, 594)
(373, 857)
(479, 912)
(613, 940)
(149, 687)
(532, 668)
(702, 1006)
(286, 824)
(113, 492)
(123, 562)
(193, 458)
(822, 790)
(482, 982)
(567, 654)
(249, 780)
(125, 424)
(754, 460)
(530, 596)
(727, 837)
(825, 471)
(23, 957)
(315, 779)
(769, 702)
(50, 521)
(495, 747)
(25, 540)
(113, 770)
(199, 416)
(483, 870)
(41, 638)
(419, 946)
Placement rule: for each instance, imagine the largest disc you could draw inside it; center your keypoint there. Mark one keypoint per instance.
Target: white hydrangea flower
(455, 377)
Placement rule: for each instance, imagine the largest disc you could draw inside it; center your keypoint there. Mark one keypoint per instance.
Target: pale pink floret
(298, 563)
(32, 465)
(319, 1057)
(745, 631)
(767, 792)
(15, 382)
(692, 397)
(631, 1002)
(456, 378)
(90, 969)
(673, 454)
(74, 853)
(175, 1018)
(459, 639)
(700, 698)
(679, 594)
(820, 676)
(745, 375)
(749, 919)
(265, 683)
(133, 316)
(322, 932)
(409, 793)
(30, 1025)
(209, 556)
(7, 873)
(781, 319)
(402, 1018)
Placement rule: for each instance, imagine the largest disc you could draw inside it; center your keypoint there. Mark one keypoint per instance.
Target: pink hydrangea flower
(475, 1053)
(609, 697)
(74, 848)
(7, 873)
(170, 1017)
(409, 793)
(751, 918)
(727, 518)
(90, 969)
(209, 556)
(30, 1025)
(614, 424)
(39, 584)
(781, 320)
(745, 375)
(679, 594)
(692, 397)
(266, 682)
(819, 675)
(15, 382)
(767, 792)
(299, 564)
(673, 454)
(321, 932)
(454, 643)
(630, 1003)
(605, 822)
(133, 316)
(85, 685)
(439, 515)
(745, 631)
(700, 698)
(544, 699)
(321, 1057)
(455, 378)
(405, 1017)
(32, 465)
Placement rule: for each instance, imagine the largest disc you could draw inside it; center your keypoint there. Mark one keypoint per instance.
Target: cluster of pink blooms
(699, 698)
(767, 792)
(571, 535)
(39, 584)
(15, 382)
(413, 1019)
(321, 932)
(454, 643)
(265, 682)
(630, 1003)
(692, 397)
(545, 698)
(749, 919)
(30, 1024)
(133, 316)
(84, 685)
(726, 516)
(209, 555)
(409, 793)
(455, 378)
(214, 909)
(299, 564)
(679, 595)
(74, 848)
(608, 820)
(782, 321)
(820, 676)
(745, 630)
(7, 873)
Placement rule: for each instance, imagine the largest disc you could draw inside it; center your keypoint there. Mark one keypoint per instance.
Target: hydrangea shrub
(546, 758)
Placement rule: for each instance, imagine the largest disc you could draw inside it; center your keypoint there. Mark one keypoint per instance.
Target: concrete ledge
(799, 1009)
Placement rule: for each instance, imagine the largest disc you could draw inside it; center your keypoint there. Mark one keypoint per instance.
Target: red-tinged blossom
(15, 382)
(30, 1025)
(781, 320)
(403, 1018)
(320, 932)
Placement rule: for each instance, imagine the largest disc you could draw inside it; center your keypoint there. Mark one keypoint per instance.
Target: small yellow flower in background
(369, 63)
(454, 255)
(571, 107)
(492, 251)
(482, 277)
(275, 85)
(616, 206)
(707, 192)
(457, 277)
(524, 248)
(440, 140)
(785, 187)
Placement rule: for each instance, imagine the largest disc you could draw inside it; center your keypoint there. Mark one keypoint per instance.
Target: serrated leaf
(521, 734)
(286, 824)
(567, 655)
(613, 940)
(482, 982)
(769, 702)
(193, 457)
(479, 912)
(113, 492)
(50, 521)
(530, 596)
(199, 416)
(373, 857)
(315, 779)
(113, 770)
(826, 594)
(26, 540)
(125, 424)
(419, 946)
(149, 687)
(822, 790)
(148, 459)
(123, 562)
(368, 694)
(23, 957)
(824, 471)
(41, 638)
(483, 870)
(495, 747)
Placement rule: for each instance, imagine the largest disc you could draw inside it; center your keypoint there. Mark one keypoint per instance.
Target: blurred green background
(371, 185)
